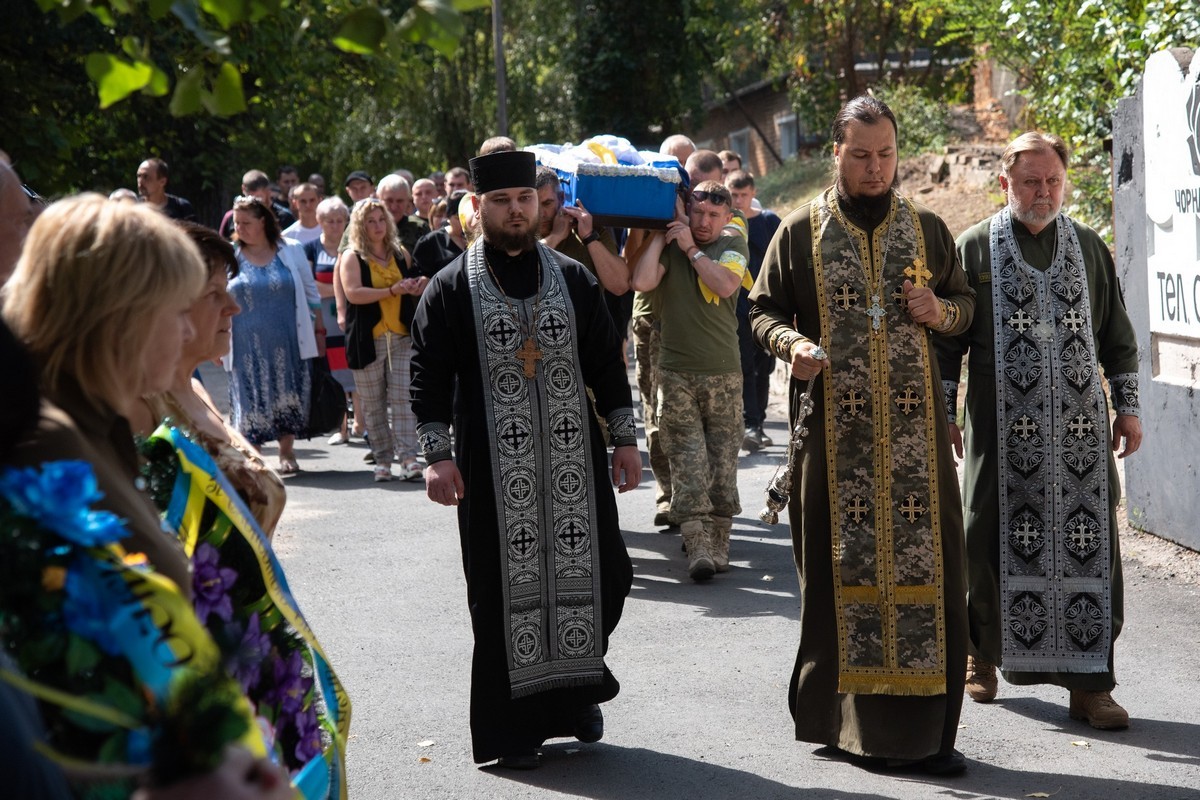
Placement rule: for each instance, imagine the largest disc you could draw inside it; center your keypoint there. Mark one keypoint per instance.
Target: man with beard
(524, 333)
(694, 269)
(1040, 487)
(875, 516)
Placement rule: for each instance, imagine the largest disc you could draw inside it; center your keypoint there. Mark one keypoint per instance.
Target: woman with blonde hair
(381, 294)
(100, 298)
(274, 336)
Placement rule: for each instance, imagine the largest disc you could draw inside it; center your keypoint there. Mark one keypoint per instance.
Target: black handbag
(327, 403)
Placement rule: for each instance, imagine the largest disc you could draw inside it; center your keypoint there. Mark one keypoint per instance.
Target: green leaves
(223, 96)
(216, 86)
(362, 31)
(434, 22)
(116, 78)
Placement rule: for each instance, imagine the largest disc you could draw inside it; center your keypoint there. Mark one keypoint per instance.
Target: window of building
(739, 142)
(788, 128)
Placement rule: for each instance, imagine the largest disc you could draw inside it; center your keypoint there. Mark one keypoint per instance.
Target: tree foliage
(833, 50)
(219, 86)
(636, 72)
(1075, 60)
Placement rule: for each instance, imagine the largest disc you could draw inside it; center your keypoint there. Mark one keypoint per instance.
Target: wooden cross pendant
(919, 274)
(530, 355)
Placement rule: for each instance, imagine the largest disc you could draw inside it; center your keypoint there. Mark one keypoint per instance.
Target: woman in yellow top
(381, 293)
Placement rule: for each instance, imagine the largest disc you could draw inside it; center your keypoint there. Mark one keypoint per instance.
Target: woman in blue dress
(274, 336)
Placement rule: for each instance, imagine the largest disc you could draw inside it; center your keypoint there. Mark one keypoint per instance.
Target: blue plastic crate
(621, 201)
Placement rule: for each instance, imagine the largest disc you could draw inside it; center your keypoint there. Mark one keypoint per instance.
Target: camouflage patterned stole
(1051, 420)
(880, 451)
(545, 500)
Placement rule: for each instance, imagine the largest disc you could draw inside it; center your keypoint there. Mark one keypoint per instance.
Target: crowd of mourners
(477, 326)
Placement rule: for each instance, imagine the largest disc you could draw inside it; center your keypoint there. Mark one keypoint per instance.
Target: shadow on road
(761, 581)
(987, 781)
(1149, 734)
(604, 771)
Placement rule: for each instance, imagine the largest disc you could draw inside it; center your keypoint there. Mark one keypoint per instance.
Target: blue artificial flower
(59, 498)
(139, 747)
(85, 611)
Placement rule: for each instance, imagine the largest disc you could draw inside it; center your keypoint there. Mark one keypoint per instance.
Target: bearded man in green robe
(875, 517)
(1040, 484)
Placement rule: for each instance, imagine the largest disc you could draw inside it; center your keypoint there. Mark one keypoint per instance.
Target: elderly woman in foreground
(223, 503)
(99, 300)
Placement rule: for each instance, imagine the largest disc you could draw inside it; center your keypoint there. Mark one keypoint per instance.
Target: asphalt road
(704, 668)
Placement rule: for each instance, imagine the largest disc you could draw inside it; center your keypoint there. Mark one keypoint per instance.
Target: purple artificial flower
(59, 496)
(291, 686)
(211, 584)
(252, 651)
(309, 744)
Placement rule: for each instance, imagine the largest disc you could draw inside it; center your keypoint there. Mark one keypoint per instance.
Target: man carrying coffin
(524, 332)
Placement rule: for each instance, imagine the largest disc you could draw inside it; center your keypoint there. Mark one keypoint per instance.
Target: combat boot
(981, 680)
(721, 527)
(695, 539)
(1099, 709)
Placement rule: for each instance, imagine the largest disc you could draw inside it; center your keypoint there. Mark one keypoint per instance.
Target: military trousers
(700, 420)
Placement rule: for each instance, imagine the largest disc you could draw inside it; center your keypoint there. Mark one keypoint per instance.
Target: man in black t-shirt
(152, 187)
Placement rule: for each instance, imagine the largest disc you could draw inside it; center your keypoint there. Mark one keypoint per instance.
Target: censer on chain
(779, 490)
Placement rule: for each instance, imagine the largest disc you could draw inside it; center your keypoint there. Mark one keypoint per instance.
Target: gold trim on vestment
(891, 634)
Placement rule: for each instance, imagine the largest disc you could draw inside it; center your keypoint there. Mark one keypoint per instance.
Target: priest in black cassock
(506, 341)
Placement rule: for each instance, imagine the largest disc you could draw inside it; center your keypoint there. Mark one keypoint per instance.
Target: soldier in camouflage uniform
(696, 268)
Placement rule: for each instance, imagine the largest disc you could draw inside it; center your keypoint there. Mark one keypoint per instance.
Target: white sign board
(1171, 103)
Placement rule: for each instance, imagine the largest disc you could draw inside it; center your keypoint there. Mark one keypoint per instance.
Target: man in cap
(506, 342)
(359, 186)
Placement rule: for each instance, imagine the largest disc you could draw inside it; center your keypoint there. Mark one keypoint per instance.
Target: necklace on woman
(529, 354)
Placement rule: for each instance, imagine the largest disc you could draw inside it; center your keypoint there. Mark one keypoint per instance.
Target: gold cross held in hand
(920, 276)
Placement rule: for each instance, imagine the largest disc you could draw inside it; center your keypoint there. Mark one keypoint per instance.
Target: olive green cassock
(1116, 351)
(786, 297)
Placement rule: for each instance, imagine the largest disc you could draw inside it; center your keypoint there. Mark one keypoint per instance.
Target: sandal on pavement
(288, 466)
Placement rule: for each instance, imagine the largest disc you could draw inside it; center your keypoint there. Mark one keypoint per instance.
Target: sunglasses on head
(33, 196)
(712, 197)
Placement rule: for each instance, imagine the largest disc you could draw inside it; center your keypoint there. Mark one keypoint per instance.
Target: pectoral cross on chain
(530, 355)
(876, 312)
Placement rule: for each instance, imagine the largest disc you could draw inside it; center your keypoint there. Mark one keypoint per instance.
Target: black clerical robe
(450, 387)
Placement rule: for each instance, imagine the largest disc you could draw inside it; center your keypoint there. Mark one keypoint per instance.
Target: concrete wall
(1162, 488)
